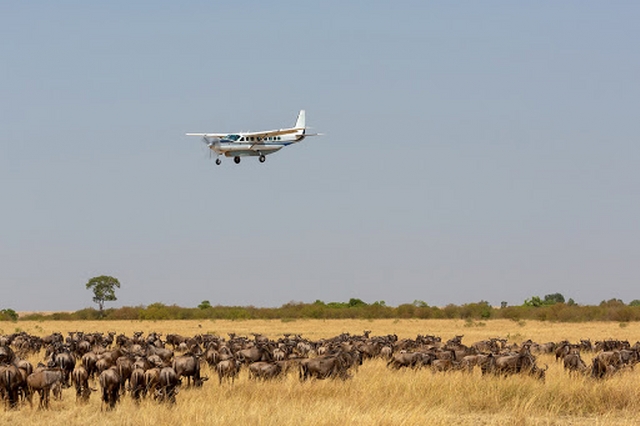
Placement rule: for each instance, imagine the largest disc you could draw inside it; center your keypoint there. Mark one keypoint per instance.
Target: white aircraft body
(254, 144)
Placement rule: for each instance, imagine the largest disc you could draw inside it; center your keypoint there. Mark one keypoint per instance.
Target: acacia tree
(103, 290)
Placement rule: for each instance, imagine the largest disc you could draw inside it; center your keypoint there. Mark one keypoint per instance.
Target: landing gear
(218, 161)
(262, 158)
(236, 160)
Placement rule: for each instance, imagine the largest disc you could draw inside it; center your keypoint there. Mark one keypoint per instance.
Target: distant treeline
(551, 308)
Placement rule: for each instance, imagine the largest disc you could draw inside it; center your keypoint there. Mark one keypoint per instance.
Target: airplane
(254, 144)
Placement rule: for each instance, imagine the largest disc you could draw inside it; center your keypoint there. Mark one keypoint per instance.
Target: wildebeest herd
(155, 367)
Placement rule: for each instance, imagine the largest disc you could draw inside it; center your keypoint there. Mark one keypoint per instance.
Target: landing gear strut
(236, 160)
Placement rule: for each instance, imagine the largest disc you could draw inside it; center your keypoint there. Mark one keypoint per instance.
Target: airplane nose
(211, 143)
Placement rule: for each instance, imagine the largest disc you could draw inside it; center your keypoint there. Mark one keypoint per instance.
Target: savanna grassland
(374, 395)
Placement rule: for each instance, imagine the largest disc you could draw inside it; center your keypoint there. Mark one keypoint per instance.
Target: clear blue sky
(473, 151)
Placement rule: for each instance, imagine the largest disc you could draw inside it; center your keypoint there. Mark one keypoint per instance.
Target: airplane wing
(270, 133)
(208, 135)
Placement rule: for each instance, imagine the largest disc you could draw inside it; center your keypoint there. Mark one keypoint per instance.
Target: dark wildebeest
(212, 356)
(629, 356)
(386, 352)
(228, 369)
(89, 361)
(254, 354)
(264, 370)
(563, 349)
(279, 354)
(137, 383)
(574, 363)
(42, 381)
(605, 364)
(168, 385)
(165, 354)
(512, 364)
(151, 381)
(409, 359)
(66, 361)
(143, 363)
(175, 340)
(442, 365)
(7, 356)
(470, 361)
(188, 365)
(125, 368)
(11, 382)
(110, 383)
(103, 364)
(323, 367)
(80, 378)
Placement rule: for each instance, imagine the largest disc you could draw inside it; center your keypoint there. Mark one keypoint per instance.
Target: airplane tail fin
(300, 122)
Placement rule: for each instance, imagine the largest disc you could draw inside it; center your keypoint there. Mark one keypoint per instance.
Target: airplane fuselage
(254, 144)
(247, 146)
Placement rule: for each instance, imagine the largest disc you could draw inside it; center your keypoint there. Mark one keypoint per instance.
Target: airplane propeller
(207, 142)
(210, 143)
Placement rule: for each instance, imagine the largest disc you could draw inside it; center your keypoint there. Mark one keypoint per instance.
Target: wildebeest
(110, 383)
(42, 381)
(323, 367)
(574, 363)
(188, 365)
(227, 369)
(523, 362)
(65, 360)
(605, 364)
(168, 385)
(470, 361)
(405, 359)
(264, 370)
(80, 378)
(254, 354)
(89, 361)
(125, 368)
(11, 382)
(165, 354)
(442, 365)
(386, 352)
(137, 384)
(562, 349)
(7, 356)
(151, 381)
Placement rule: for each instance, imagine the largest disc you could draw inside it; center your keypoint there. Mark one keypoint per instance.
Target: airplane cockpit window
(233, 138)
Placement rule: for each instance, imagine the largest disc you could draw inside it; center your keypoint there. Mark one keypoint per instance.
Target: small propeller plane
(254, 144)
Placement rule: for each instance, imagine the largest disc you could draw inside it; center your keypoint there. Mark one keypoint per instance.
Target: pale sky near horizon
(472, 151)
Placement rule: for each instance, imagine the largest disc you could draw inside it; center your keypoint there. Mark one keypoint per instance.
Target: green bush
(8, 315)
(533, 309)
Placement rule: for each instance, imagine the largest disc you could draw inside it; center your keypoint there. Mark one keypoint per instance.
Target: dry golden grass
(375, 395)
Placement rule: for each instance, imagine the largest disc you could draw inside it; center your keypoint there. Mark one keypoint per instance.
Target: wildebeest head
(6, 355)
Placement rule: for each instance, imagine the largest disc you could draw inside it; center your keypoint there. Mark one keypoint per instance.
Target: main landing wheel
(262, 158)
(236, 160)
(218, 161)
